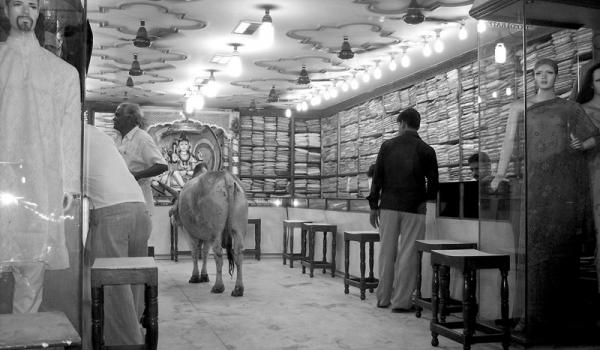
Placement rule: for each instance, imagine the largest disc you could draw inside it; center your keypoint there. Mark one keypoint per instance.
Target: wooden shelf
(264, 177)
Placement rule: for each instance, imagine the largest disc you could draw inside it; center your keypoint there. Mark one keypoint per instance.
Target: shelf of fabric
(348, 117)
(365, 162)
(329, 184)
(349, 133)
(391, 102)
(369, 145)
(329, 154)
(348, 166)
(330, 168)
(363, 185)
(348, 150)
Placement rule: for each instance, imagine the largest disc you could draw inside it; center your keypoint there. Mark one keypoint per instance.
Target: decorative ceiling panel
(395, 7)
(120, 77)
(362, 37)
(293, 65)
(265, 85)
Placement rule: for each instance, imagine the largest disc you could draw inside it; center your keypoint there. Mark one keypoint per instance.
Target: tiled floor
(281, 309)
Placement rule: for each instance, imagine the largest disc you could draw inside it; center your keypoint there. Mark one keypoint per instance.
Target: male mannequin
(40, 124)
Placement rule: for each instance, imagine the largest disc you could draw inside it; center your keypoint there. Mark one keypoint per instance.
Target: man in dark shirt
(406, 177)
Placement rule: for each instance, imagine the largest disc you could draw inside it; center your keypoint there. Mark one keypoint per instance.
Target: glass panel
(40, 121)
(498, 166)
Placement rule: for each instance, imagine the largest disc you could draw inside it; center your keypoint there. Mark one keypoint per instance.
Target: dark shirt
(403, 164)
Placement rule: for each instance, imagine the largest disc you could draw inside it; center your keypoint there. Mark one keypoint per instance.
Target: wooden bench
(117, 271)
(361, 282)
(37, 331)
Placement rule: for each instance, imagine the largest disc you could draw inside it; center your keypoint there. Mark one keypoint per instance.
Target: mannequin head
(591, 84)
(544, 74)
(22, 14)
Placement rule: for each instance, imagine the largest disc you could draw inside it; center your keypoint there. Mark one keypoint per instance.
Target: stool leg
(371, 264)
(151, 301)
(324, 250)
(303, 253)
(469, 307)
(504, 308)
(346, 265)
(172, 241)
(362, 270)
(333, 246)
(284, 243)
(176, 252)
(291, 241)
(257, 233)
(418, 295)
(435, 283)
(311, 251)
(444, 291)
(97, 318)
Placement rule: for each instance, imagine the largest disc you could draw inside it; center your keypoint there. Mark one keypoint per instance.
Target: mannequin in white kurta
(40, 131)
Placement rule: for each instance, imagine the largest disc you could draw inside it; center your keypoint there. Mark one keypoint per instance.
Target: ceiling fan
(414, 15)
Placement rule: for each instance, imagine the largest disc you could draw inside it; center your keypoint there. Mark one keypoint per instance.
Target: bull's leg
(203, 273)
(219, 287)
(194, 246)
(238, 254)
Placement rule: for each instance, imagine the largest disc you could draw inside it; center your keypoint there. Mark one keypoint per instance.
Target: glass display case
(536, 180)
(43, 55)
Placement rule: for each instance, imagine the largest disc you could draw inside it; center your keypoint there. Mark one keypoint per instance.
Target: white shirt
(107, 179)
(40, 129)
(140, 152)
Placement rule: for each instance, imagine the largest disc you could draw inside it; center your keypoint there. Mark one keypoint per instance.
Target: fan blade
(443, 20)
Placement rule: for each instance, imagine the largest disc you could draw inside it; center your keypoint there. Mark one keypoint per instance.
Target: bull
(213, 211)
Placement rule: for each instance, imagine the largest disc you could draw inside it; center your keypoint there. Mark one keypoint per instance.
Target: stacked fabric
(330, 168)
(348, 166)
(330, 154)
(365, 162)
(391, 102)
(349, 132)
(348, 150)
(369, 145)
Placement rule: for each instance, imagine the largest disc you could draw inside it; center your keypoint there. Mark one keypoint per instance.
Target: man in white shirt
(40, 121)
(119, 227)
(142, 155)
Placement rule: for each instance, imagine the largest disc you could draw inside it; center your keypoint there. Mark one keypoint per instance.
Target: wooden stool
(361, 282)
(427, 245)
(288, 238)
(116, 271)
(37, 331)
(469, 261)
(257, 232)
(311, 229)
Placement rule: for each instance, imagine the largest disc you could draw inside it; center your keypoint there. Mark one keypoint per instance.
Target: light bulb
(438, 45)
(299, 107)
(189, 106)
(508, 91)
(211, 89)
(304, 106)
(288, 112)
(427, 50)
(235, 65)
(377, 73)
(495, 94)
(345, 87)
(462, 32)
(266, 31)
(500, 53)
(354, 83)
(333, 92)
(295, 203)
(405, 60)
(326, 95)
(366, 77)
(392, 66)
(481, 26)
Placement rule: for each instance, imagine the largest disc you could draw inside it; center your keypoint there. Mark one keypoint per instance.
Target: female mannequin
(589, 97)
(556, 184)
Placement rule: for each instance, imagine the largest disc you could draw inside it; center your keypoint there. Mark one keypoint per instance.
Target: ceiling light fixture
(346, 50)
(129, 82)
(304, 106)
(462, 32)
(366, 77)
(405, 60)
(500, 53)
(392, 65)
(266, 32)
(344, 86)
(377, 71)
(288, 112)
(303, 79)
(135, 69)
(333, 92)
(426, 48)
(438, 44)
(481, 26)
(194, 102)
(273, 95)
(141, 38)
(211, 89)
(354, 82)
(234, 67)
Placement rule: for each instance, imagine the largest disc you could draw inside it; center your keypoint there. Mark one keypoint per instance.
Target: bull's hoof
(237, 291)
(218, 289)
(204, 278)
(195, 279)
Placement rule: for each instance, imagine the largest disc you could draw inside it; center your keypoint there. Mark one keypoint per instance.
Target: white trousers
(398, 262)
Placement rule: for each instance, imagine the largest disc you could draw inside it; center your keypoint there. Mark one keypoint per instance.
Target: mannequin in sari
(557, 133)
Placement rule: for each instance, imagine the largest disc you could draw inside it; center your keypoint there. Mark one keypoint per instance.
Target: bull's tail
(228, 235)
